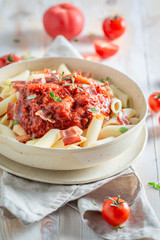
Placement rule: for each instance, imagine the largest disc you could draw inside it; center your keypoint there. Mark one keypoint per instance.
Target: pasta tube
(63, 68)
(93, 130)
(125, 99)
(6, 131)
(113, 131)
(17, 129)
(50, 138)
(60, 143)
(5, 102)
(116, 105)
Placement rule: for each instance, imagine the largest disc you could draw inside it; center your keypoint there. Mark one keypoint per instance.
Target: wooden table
(138, 57)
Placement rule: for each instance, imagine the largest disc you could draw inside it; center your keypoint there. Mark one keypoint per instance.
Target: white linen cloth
(31, 201)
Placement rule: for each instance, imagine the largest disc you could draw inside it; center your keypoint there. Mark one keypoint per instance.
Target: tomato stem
(116, 203)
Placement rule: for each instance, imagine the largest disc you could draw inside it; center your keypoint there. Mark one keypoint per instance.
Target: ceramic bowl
(71, 159)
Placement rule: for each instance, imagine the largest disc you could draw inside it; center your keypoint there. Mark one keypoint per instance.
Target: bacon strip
(70, 136)
(11, 111)
(23, 138)
(45, 115)
(123, 119)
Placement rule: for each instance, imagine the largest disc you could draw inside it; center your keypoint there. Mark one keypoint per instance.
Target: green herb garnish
(104, 80)
(31, 97)
(81, 89)
(52, 95)
(33, 138)
(118, 227)
(93, 109)
(56, 76)
(66, 85)
(154, 185)
(85, 85)
(10, 85)
(123, 129)
(62, 74)
(15, 122)
(92, 201)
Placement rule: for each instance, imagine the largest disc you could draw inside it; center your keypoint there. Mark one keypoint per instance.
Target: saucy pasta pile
(59, 109)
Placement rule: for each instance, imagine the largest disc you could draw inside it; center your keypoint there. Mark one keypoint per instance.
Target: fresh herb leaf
(92, 201)
(73, 79)
(52, 95)
(118, 227)
(68, 77)
(85, 85)
(32, 138)
(93, 109)
(16, 40)
(31, 97)
(10, 85)
(81, 89)
(76, 40)
(10, 58)
(66, 85)
(56, 76)
(15, 122)
(154, 185)
(62, 74)
(123, 129)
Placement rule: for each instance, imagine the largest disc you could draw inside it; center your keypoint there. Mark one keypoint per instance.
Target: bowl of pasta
(67, 114)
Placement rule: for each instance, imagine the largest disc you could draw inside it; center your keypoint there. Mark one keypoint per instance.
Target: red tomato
(115, 211)
(154, 102)
(92, 57)
(105, 49)
(63, 19)
(8, 59)
(114, 27)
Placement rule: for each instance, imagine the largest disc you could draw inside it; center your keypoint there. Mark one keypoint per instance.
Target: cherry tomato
(63, 19)
(105, 48)
(154, 102)
(8, 59)
(114, 27)
(115, 211)
(92, 57)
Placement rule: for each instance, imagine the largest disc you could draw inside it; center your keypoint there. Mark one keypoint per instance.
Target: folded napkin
(31, 201)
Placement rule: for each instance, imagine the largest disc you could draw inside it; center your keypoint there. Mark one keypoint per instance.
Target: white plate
(107, 169)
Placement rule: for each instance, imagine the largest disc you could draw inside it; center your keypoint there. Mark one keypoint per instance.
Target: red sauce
(72, 104)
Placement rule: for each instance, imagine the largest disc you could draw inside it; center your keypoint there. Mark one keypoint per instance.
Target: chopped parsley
(154, 185)
(10, 85)
(32, 138)
(52, 95)
(15, 122)
(104, 80)
(92, 201)
(62, 74)
(93, 109)
(66, 85)
(123, 129)
(56, 76)
(81, 89)
(31, 97)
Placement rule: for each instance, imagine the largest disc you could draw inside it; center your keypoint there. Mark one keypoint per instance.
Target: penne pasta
(6, 122)
(17, 129)
(125, 99)
(5, 102)
(105, 140)
(93, 130)
(112, 121)
(63, 68)
(31, 142)
(60, 143)
(134, 120)
(116, 105)
(50, 138)
(22, 76)
(129, 112)
(6, 131)
(113, 131)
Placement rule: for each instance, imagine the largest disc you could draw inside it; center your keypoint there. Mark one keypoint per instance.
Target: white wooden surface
(139, 57)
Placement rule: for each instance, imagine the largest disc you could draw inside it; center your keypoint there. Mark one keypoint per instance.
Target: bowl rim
(86, 148)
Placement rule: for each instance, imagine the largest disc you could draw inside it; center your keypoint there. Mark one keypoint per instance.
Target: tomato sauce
(58, 102)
